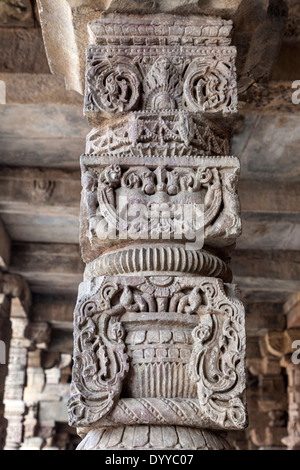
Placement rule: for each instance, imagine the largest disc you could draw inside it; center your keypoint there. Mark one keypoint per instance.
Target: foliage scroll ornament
(210, 87)
(217, 360)
(162, 86)
(100, 361)
(113, 86)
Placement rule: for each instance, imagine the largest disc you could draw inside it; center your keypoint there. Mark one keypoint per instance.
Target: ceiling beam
(39, 191)
(49, 268)
(40, 88)
(58, 268)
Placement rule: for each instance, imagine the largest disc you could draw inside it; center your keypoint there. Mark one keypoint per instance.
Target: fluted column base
(153, 438)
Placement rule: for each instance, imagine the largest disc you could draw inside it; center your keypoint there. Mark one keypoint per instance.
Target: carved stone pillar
(15, 301)
(14, 385)
(292, 440)
(281, 345)
(159, 337)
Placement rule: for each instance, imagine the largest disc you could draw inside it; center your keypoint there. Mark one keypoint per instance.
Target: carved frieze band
(160, 30)
(197, 80)
(163, 130)
(152, 438)
(132, 67)
(146, 202)
(111, 308)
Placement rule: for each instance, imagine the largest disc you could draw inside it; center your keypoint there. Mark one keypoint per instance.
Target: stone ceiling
(43, 134)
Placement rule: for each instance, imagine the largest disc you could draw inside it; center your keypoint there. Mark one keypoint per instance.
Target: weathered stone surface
(22, 51)
(4, 247)
(292, 310)
(38, 88)
(153, 437)
(261, 317)
(57, 310)
(16, 13)
(38, 261)
(270, 233)
(55, 141)
(43, 228)
(39, 191)
(281, 266)
(274, 137)
(269, 98)
(260, 23)
(16, 288)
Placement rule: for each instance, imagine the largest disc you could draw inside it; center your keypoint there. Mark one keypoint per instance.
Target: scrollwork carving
(100, 361)
(210, 86)
(113, 86)
(217, 360)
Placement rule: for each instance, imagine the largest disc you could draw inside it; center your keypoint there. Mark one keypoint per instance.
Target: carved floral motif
(162, 87)
(216, 366)
(210, 86)
(100, 362)
(156, 343)
(119, 79)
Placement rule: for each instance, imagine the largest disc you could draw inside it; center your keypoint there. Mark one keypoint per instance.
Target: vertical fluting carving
(159, 338)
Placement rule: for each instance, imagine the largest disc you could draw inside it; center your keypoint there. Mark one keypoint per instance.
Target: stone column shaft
(159, 337)
(5, 335)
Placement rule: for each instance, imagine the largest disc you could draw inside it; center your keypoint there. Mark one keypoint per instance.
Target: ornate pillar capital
(159, 330)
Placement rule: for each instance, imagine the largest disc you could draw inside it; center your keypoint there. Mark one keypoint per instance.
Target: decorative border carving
(160, 29)
(118, 78)
(100, 361)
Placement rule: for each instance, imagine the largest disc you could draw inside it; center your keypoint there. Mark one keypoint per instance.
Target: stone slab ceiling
(42, 134)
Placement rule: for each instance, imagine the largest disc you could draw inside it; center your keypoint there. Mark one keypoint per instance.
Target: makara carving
(159, 339)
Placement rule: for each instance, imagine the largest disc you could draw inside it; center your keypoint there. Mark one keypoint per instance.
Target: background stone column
(5, 331)
(15, 301)
(15, 383)
(285, 346)
(159, 337)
